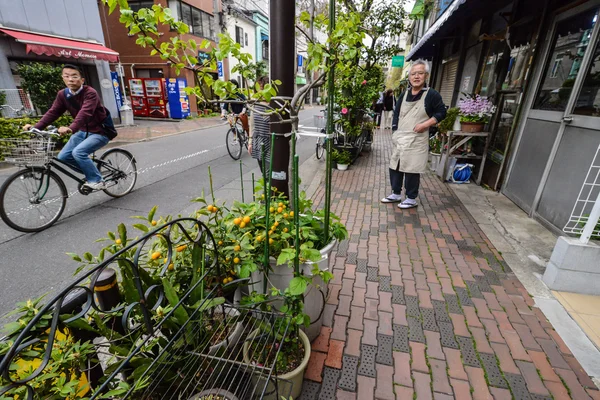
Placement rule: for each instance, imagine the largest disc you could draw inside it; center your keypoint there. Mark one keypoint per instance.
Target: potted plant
(342, 158)
(475, 112)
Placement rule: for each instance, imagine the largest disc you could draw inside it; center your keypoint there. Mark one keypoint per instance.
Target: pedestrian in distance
(388, 108)
(92, 125)
(417, 109)
(260, 132)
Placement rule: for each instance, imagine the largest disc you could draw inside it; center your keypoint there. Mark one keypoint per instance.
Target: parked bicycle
(236, 138)
(34, 198)
(18, 112)
(320, 121)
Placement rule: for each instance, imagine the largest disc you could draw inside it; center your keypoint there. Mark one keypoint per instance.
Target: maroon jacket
(88, 118)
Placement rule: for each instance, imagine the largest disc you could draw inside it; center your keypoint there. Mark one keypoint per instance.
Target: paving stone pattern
(449, 319)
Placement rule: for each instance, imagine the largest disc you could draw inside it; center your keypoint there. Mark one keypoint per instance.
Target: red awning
(53, 46)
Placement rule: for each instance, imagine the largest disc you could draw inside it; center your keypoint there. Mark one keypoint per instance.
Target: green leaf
(88, 256)
(74, 257)
(111, 236)
(122, 233)
(141, 227)
(297, 286)
(151, 213)
(180, 314)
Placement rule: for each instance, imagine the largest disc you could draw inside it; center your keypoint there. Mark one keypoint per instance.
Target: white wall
(250, 29)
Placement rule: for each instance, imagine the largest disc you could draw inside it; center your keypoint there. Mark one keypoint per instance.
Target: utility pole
(283, 62)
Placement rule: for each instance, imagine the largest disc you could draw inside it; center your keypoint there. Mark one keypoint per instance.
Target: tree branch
(301, 93)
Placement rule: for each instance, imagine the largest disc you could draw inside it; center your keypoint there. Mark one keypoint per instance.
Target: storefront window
(568, 48)
(588, 101)
(517, 68)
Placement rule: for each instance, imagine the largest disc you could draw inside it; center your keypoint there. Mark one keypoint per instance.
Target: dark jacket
(434, 105)
(89, 117)
(388, 102)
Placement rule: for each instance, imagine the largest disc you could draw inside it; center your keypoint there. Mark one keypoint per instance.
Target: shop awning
(53, 46)
(435, 27)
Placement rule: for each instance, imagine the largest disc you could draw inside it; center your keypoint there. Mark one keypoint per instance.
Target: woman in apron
(417, 109)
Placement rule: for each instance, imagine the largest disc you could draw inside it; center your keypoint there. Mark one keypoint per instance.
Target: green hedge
(12, 128)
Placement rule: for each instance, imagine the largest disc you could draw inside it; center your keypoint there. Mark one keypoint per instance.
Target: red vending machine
(156, 97)
(138, 97)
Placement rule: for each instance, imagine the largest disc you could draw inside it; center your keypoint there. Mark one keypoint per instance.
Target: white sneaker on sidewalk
(408, 203)
(392, 198)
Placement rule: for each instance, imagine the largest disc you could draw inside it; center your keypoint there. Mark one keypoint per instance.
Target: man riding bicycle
(90, 116)
(238, 109)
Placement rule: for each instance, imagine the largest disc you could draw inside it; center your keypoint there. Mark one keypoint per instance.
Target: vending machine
(156, 98)
(138, 97)
(179, 104)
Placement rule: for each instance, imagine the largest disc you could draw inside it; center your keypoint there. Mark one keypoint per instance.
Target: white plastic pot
(235, 334)
(342, 167)
(295, 377)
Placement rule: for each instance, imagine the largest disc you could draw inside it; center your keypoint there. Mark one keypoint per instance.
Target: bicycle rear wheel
(32, 199)
(234, 144)
(119, 171)
(320, 148)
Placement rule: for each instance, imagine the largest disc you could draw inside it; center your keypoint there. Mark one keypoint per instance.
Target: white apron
(411, 149)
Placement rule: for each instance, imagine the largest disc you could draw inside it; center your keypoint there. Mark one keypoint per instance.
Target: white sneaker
(408, 203)
(392, 198)
(95, 185)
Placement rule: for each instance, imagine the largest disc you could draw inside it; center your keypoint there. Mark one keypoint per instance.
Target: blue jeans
(77, 153)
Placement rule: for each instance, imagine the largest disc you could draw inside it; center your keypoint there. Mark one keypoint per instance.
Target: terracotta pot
(471, 127)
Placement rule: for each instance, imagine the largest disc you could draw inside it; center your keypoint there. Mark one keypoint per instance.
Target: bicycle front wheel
(320, 148)
(119, 171)
(32, 199)
(234, 144)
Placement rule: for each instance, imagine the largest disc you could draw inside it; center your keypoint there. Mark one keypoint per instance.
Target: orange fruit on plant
(209, 207)
(237, 221)
(280, 210)
(285, 215)
(271, 241)
(237, 248)
(285, 230)
(242, 224)
(272, 209)
(154, 223)
(118, 241)
(291, 213)
(181, 248)
(236, 260)
(276, 224)
(171, 267)
(246, 219)
(220, 243)
(156, 255)
(280, 204)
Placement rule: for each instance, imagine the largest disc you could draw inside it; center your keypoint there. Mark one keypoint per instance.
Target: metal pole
(283, 46)
(330, 103)
(591, 223)
(242, 181)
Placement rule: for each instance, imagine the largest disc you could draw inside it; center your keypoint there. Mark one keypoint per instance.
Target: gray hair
(420, 61)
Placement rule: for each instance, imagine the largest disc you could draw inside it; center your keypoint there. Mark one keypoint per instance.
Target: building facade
(241, 26)
(203, 18)
(57, 33)
(539, 63)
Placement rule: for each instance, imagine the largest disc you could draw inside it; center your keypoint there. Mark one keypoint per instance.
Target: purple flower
(476, 109)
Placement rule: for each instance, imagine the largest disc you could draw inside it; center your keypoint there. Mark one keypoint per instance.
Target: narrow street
(172, 171)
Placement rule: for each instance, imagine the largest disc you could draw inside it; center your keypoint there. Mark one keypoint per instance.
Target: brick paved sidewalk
(423, 306)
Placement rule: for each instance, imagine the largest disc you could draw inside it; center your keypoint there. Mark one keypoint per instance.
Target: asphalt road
(173, 170)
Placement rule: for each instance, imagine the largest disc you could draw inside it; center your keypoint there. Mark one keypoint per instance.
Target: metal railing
(586, 212)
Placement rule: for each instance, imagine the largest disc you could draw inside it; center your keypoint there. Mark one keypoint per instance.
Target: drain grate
(518, 386)
(468, 352)
(329, 385)
(463, 296)
(310, 390)
(440, 311)
(349, 371)
(492, 277)
(367, 360)
(483, 284)
(474, 290)
(401, 338)
(372, 274)
(361, 265)
(429, 320)
(415, 330)
(351, 259)
(385, 283)
(452, 302)
(447, 335)
(398, 294)
(412, 306)
(492, 370)
(384, 349)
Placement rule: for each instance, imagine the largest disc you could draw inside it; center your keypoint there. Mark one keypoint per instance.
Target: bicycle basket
(320, 121)
(31, 151)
